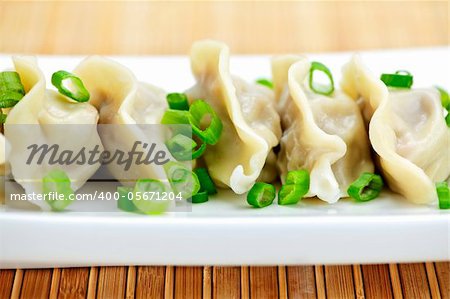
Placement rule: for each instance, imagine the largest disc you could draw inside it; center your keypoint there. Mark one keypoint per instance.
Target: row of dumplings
(361, 127)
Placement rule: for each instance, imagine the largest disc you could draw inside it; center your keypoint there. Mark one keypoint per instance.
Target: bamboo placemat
(248, 27)
(429, 280)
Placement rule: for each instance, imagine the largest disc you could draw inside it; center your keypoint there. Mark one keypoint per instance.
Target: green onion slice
(177, 101)
(290, 194)
(11, 89)
(206, 183)
(324, 89)
(443, 195)
(70, 85)
(125, 202)
(367, 187)
(261, 195)
(205, 122)
(2, 117)
(399, 79)
(403, 72)
(184, 148)
(265, 82)
(445, 98)
(58, 182)
(182, 180)
(298, 177)
(175, 117)
(200, 197)
(447, 119)
(146, 195)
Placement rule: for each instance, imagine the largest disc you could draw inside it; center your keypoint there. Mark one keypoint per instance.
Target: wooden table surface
(248, 27)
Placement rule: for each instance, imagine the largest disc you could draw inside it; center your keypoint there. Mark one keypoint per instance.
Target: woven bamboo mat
(430, 280)
(248, 27)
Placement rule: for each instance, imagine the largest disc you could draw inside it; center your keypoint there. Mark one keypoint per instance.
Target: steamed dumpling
(325, 135)
(407, 130)
(47, 117)
(124, 104)
(251, 125)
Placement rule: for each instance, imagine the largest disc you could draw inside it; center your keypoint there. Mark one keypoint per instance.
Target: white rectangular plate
(226, 230)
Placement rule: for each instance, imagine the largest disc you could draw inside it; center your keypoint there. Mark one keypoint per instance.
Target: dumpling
(125, 107)
(251, 125)
(325, 135)
(407, 131)
(47, 117)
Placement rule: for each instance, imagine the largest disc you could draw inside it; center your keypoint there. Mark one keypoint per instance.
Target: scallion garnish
(205, 122)
(295, 187)
(11, 89)
(200, 197)
(445, 98)
(58, 183)
(261, 195)
(290, 194)
(298, 177)
(206, 183)
(125, 202)
(147, 194)
(182, 180)
(70, 85)
(177, 101)
(401, 79)
(367, 187)
(323, 89)
(443, 192)
(2, 117)
(174, 117)
(265, 82)
(184, 148)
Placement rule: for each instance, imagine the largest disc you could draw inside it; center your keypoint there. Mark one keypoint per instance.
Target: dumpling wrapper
(251, 125)
(324, 135)
(407, 130)
(124, 102)
(42, 114)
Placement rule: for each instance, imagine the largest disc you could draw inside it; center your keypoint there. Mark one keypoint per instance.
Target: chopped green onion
(296, 186)
(298, 177)
(317, 87)
(445, 98)
(184, 148)
(2, 117)
(201, 112)
(443, 192)
(261, 195)
(265, 82)
(200, 197)
(125, 202)
(57, 182)
(367, 187)
(70, 85)
(177, 101)
(206, 183)
(290, 194)
(447, 118)
(146, 195)
(397, 80)
(174, 117)
(11, 89)
(182, 179)
(403, 72)
(181, 146)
